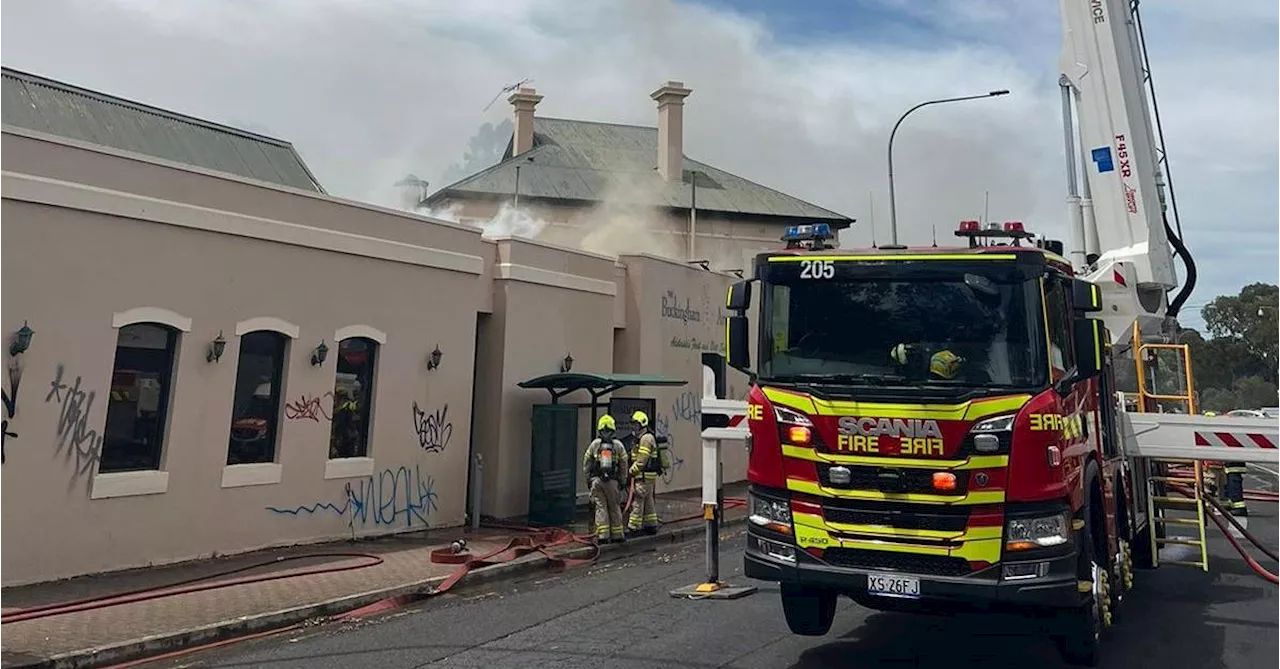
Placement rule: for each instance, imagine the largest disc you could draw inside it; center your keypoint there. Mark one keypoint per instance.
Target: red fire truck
(928, 430)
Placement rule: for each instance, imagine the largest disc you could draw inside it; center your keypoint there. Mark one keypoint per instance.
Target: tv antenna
(507, 89)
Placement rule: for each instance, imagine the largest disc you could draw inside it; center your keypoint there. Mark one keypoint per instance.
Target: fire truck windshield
(935, 328)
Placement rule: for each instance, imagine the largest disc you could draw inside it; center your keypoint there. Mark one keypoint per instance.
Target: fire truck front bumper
(1044, 582)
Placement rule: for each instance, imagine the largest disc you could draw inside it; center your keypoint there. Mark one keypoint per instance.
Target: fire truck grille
(899, 516)
(889, 479)
(911, 563)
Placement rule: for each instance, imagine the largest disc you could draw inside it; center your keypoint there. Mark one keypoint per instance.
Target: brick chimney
(523, 100)
(671, 129)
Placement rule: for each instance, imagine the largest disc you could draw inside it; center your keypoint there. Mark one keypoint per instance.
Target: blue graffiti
(387, 498)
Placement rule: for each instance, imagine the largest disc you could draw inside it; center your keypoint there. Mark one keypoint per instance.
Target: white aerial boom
(1120, 238)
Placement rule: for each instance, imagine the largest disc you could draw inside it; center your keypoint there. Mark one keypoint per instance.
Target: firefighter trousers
(606, 497)
(643, 512)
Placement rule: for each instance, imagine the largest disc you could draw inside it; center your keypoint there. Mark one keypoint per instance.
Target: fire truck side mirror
(1090, 341)
(737, 344)
(1086, 298)
(739, 297)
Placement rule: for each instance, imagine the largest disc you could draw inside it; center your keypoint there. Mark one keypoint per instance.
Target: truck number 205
(817, 269)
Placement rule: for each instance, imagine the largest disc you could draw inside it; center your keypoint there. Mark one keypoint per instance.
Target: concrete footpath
(372, 570)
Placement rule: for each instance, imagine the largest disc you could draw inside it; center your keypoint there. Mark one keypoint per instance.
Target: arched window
(255, 414)
(353, 398)
(138, 407)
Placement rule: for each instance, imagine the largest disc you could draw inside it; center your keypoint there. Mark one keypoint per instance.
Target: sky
(799, 96)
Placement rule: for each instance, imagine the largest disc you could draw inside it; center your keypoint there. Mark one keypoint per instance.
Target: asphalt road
(619, 615)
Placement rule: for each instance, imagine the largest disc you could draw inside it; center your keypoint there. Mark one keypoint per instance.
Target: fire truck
(941, 427)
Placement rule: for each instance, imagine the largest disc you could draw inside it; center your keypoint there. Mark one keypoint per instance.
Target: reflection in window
(139, 402)
(1055, 305)
(255, 416)
(353, 398)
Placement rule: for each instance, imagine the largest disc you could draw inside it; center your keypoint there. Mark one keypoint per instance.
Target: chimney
(671, 129)
(524, 100)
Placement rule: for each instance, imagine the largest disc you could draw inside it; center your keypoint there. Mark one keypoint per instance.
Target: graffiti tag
(75, 441)
(688, 407)
(10, 407)
(390, 497)
(308, 407)
(433, 429)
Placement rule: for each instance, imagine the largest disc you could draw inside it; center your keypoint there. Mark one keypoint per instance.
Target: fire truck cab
(934, 428)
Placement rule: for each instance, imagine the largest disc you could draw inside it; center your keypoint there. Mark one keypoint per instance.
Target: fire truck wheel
(809, 611)
(1080, 630)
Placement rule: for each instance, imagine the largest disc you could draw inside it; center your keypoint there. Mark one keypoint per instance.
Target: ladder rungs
(1178, 521)
(1184, 541)
(1176, 500)
(1172, 479)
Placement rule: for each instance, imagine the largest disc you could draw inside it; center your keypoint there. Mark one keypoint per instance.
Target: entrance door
(553, 465)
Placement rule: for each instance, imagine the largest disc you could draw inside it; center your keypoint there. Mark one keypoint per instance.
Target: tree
(484, 149)
(1250, 320)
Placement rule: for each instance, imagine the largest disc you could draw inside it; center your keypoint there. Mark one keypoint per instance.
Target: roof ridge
(768, 188)
(616, 125)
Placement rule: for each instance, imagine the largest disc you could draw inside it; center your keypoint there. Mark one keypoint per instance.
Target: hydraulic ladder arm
(1120, 237)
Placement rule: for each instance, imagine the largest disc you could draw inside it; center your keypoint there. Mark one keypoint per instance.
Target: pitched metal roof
(588, 162)
(44, 105)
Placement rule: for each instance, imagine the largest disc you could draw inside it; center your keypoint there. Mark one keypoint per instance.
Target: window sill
(239, 476)
(129, 484)
(348, 468)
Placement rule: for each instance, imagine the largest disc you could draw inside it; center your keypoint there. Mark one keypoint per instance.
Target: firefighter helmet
(640, 418)
(945, 365)
(606, 422)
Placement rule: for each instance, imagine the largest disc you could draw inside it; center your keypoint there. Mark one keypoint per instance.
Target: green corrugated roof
(589, 162)
(44, 105)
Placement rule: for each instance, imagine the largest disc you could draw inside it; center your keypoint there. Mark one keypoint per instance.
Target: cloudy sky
(796, 95)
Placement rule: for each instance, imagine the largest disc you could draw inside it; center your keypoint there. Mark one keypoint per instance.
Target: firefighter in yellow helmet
(645, 468)
(605, 465)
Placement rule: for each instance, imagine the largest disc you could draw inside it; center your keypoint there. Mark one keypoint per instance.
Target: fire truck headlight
(770, 513)
(791, 417)
(1037, 532)
(988, 434)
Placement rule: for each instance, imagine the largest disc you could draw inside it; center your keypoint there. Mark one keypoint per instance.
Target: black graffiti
(10, 408)
(434, 430)
(688, 406)
(75, 440)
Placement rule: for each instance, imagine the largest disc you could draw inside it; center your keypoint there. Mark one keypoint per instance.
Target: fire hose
(534, 540)
(1217, 520)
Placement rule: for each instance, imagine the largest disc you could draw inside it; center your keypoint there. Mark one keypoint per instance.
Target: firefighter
(645, 469)
(605, 465)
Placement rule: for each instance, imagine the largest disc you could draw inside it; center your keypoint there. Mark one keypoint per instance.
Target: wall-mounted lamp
(318, 356)
(21, 340)
(566, 364)
(434, 361)
(216, 347)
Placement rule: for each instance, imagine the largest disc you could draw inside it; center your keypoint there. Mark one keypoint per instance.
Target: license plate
(897, 586)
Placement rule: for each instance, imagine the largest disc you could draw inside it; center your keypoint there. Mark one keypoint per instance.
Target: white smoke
(508, 222)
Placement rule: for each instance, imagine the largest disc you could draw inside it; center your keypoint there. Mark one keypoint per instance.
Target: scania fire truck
(940, 427)
(927, 430)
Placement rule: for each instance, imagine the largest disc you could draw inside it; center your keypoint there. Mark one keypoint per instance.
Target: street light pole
(893, 207)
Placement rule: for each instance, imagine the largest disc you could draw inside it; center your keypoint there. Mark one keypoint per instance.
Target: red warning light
(1014, 226)
(969, 226)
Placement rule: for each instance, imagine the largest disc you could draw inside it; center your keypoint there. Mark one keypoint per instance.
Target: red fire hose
(1217, 519)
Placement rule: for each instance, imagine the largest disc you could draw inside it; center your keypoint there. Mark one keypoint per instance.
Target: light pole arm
(893, 209)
